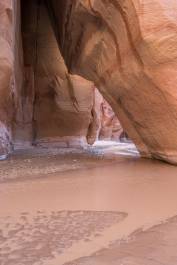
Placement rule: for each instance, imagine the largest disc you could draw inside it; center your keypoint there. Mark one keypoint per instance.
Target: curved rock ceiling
(127, 48)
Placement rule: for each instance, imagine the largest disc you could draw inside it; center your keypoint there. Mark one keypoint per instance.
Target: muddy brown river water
(98, 210)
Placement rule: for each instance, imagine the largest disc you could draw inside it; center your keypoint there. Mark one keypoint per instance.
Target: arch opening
(62, 108)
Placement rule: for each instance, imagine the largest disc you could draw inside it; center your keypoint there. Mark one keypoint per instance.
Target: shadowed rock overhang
(118, 46)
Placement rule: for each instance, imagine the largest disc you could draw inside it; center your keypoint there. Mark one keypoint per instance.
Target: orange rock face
(111, 128)
(108, 126)
(126, 48)
(57, 107)
(129, 49)
(6, 70)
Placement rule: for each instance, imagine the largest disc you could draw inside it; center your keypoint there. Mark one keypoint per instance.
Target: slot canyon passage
(88, 132)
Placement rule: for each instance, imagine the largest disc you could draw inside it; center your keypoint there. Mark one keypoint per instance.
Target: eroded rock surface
(62, 103)
(127, 49)
(111, 128)
(6, 70)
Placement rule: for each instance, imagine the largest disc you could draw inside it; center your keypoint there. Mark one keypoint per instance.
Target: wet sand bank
(72, 214)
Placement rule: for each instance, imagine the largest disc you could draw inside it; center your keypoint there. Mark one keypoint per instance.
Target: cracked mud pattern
(29, 240)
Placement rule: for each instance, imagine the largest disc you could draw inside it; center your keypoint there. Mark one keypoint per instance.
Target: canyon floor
(102, 205)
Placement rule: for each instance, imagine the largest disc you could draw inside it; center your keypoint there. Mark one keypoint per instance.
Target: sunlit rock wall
(110, 129)
(6, 75)
(11, 74)
(108, 126)
(129, 49)
(126, 48)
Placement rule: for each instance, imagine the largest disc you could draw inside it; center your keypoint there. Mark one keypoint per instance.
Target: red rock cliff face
(61, 103)
(109, 127)
(127, 48)
(6, 75)
(11, 74)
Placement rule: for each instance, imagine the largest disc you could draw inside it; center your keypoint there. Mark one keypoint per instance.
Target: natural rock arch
(127, 48)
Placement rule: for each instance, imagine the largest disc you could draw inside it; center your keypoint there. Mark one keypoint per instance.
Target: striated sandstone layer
(6, 70)
(125, 48)
(61, 104)
(111, 128)
(108, 126)
(128, 49)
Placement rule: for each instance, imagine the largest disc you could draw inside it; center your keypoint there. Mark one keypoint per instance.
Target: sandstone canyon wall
(62, 103)
(126, 48)
(109, 127)
(6, 62)
(41, 103)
